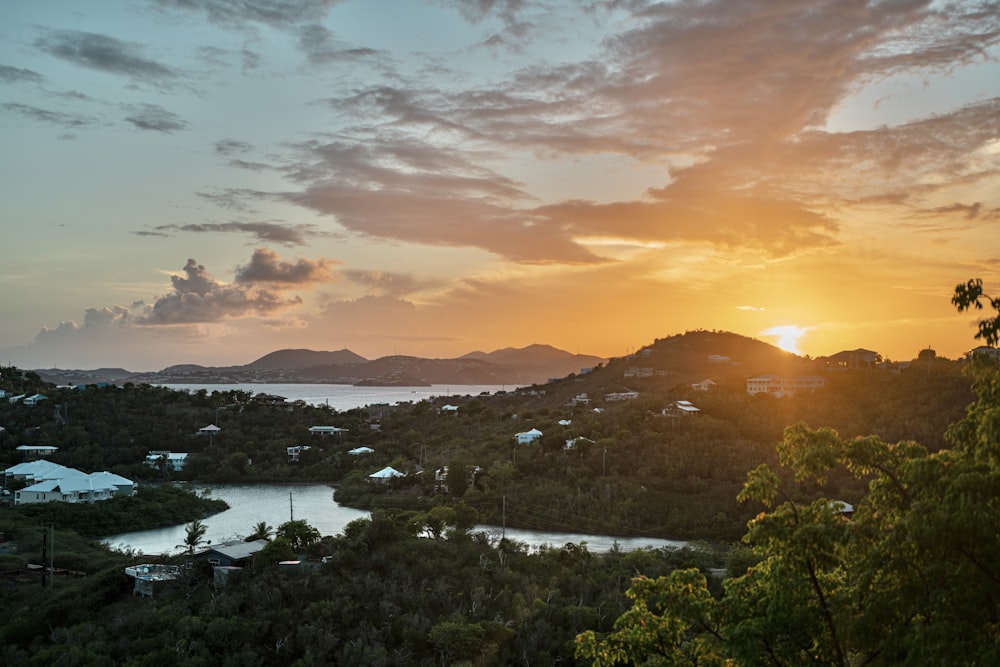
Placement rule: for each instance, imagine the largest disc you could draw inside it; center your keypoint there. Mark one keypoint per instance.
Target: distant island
(533, 364)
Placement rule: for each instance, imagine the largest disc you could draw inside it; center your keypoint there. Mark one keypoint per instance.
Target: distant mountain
(301, 358)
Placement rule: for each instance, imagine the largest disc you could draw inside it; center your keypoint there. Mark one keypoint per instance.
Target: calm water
(346, 396)
(250, 504)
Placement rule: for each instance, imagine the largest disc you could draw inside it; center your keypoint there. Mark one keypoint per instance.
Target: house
(528, 437)
(211, 429)
(150, 576)
(991, 352)
(622, 396)
(75, 488)
(782, 386)
(327, 430)
(573, 442)
(361, 450)
(580, 399)
(15, 399)
(718, 359)
(123, 486)
(684, 408)
(36, 451)
(174, 461)
(384, 475)
(294, 452)
(35, 400)
(565, 422)
(704, 385)
(39, 470)
(852, 359)
(448, 408)
(228, 554)
(638, 372)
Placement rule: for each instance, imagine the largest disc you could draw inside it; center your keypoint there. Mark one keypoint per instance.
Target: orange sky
(207, 182)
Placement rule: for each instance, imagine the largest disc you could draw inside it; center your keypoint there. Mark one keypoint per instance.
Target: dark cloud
(103, 53)
(232, 146)
(264, 231)
(249, 166)
(10, 74)
(199, 298)
(49, 116)
(266, 267)
(155, 118)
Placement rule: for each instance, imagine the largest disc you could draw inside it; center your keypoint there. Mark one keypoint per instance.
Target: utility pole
(291, 510)
(503, 518)
(45, 552)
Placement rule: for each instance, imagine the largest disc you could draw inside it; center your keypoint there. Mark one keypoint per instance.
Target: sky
(207, 181)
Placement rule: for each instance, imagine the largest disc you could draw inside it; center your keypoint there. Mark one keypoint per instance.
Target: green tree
(910, 577)
(298, 533)
(194, 536)
(261, 531)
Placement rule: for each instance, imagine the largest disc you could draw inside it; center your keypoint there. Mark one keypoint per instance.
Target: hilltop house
(528, 437)
(781, 386)
(34, 400)
(384, 475)
(36, 451)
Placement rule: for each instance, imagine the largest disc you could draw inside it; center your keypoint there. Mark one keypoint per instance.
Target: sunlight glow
(788, 336)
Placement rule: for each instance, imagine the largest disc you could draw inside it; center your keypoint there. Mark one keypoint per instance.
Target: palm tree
(194, 535)
(261, 531)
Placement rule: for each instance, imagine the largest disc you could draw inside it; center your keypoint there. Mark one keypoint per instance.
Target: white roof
(210, 428)
(106, 477)
(533, 431)
(361, 450)
(42, 469)
(326, 429)
(386, 473)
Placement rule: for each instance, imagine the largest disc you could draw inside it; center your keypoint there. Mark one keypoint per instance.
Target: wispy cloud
(264, 231)
(10, 74)
(104, 53)
(48, 116)
(155, 118)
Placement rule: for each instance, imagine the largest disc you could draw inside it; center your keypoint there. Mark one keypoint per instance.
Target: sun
(788, 336)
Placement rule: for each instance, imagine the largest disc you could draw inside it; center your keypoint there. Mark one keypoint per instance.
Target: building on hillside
(851, 359)
(230, 554)
(580, 399)
(38, 470)
(151, 576)
(638, 372)
(357, 451)
(986, 351)
(13, 400)
(527, 437)
(622, 396)
(211, 429)
(704, 385)
(778, 386)
(384, 475)
(295, 452)
(36, 451)
(76, 488)
(172, 461)
(448, 409)
(34, 400)
(327, 430)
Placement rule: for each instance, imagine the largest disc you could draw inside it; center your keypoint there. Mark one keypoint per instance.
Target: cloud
(103, 53)
(156, 118)
(232, 147)
(320, 47)
(264, 231)
(10, 74)
(49, 116)
(266, 267)
(199, 298)
(238, 13)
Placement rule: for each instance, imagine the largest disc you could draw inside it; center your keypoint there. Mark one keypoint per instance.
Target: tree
(194, 536)
(261, 531)
(298, 533)
(910, 577)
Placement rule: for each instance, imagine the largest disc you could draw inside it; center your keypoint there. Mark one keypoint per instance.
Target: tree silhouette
(194, 536)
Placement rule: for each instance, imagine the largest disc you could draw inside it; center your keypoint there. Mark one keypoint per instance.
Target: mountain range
(515, 366)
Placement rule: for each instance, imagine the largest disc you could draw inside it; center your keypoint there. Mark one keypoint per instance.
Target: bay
(275, 504)
(346, 396)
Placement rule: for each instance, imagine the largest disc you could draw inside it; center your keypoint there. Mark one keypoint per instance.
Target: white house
(685, 407)
(326, 430)
(39, 470)
(211, 429)
(175, 460)
(75, 489)
(361, 450)
(448, 408)
(528, 437)
(15, 399)
(295, 452)
(35, 399)
(704, 385)
(385, 474)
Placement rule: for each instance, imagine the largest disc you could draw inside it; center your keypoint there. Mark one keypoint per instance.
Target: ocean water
(346, 396)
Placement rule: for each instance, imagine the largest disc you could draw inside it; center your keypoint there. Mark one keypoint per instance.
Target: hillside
(302, 358)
